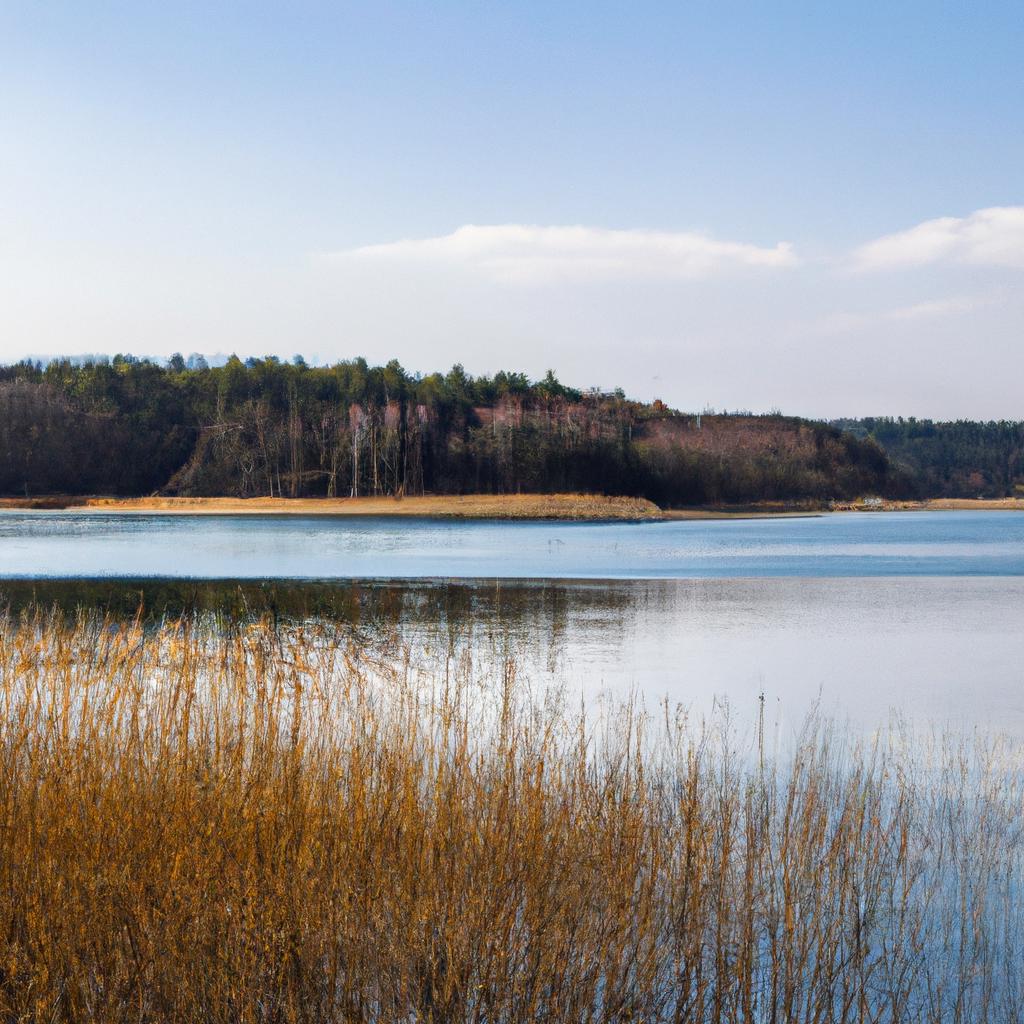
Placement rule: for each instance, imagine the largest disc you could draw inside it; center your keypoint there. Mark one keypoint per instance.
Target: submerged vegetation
(265, 822)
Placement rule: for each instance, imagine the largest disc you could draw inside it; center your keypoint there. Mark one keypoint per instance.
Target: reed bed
(279, 824)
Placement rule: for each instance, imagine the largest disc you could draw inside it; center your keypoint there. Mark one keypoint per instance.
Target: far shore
(936, 505)
(567, 507)
(576, 507)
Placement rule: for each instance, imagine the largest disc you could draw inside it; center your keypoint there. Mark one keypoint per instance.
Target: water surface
(861, 615)
(940, 651)
(64, 544)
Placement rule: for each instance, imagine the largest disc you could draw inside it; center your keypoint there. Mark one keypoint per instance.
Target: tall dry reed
(257, 825)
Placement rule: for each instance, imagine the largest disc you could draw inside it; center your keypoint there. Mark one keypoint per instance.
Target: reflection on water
(948, 651)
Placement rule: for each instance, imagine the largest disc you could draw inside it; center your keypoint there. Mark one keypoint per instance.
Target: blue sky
(681, 199)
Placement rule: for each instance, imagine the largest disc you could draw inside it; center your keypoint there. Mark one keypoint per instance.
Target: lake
(62, 544)
(861, 615)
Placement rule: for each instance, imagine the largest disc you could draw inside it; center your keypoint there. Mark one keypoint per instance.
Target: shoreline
(563, 507)
(568, 507)
(936, 505)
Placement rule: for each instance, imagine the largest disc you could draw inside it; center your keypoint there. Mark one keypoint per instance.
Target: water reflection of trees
(531, 620)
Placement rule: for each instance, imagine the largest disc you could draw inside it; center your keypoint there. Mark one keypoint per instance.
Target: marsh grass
(279, 824)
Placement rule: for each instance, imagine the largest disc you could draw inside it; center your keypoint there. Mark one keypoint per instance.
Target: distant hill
(958, 459)
(265, 427)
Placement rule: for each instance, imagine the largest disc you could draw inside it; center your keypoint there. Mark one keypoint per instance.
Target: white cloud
(530, 254)
(937, 308)
(839, 323)
(991, 237)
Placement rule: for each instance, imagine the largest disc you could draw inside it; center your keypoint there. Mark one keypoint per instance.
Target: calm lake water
(863, 615)
(61, 544)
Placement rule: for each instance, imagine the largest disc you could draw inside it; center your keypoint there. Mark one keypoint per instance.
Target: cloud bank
(990, 237)
(536, 255)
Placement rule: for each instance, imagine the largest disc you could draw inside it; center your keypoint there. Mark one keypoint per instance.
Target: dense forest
(128, 426)
(961, 459)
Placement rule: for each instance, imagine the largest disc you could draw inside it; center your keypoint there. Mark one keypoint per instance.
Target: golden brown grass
(935, 505)
(466, 506)
(276, 825)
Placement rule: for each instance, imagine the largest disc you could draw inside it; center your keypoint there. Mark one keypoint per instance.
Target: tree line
(266, 427)
(955, 459)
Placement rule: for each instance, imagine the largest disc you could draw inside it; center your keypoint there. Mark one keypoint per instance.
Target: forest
(957, 459)
(266, 427)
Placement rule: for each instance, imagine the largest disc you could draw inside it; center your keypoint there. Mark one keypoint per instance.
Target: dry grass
(264, 826)
(935, 505)
(467, 506)
(993, 504)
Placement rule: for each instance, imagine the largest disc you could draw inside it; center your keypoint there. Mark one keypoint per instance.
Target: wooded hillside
(960, 459)
(265, 427)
